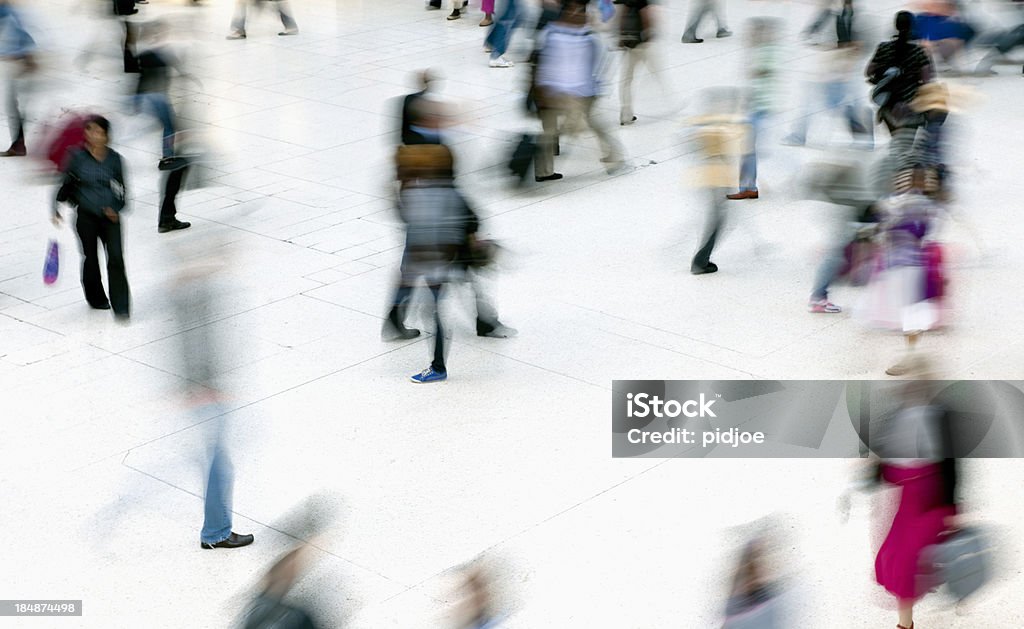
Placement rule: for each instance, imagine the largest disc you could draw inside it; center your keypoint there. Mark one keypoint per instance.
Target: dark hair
(100, 122)
(904, 26)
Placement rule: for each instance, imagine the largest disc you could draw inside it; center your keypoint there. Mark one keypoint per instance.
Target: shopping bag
(52, 265)
(960, 562)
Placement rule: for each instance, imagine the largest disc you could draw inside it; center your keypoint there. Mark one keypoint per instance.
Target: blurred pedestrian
(753, 599)
(703, 7)
(836, 69)
(906, 293)
(568, 82)
(916, 451)
(898, 69)
(763, 69)
(195, 299)
(437, 220)
(500, 37)
(637, 29)
(284, 11)
(17, 47)
(94, 183)
(270, 610)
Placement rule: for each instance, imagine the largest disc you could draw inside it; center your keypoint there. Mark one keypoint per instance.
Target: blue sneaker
(429, 375)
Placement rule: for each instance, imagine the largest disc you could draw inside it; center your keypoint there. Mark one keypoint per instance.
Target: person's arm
(120, 187)
(66, 193)
(874, 72)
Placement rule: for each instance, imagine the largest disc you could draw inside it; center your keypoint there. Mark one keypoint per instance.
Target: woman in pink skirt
(927, 505)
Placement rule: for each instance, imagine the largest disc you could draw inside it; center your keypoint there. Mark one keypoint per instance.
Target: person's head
(904, 25)
(574, 12)
(429, 80)
(97, 131)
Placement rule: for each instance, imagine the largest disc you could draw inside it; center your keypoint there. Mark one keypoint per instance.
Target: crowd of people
(897, 197)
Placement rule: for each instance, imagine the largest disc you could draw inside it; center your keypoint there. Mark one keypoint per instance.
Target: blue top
(14, 39)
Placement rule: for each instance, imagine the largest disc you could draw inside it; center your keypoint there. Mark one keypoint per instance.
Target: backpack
(631, 28)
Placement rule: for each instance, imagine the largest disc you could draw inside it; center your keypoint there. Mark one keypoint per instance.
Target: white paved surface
(100, 475)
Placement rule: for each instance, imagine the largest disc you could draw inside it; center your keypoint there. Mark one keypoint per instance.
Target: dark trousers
(168, 210)
(92, 228)
(402, 296)
(712, 227)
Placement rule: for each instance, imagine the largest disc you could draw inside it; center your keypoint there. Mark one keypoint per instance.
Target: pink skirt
(919, 523)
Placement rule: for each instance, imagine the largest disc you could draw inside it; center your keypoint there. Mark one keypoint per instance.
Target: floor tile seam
(331, 148)
(33, 324)
(535, 366)
(654, 328)
(527, 191)
(681, 353)
(836, 321)
(196, 326)
(263, 399)
(255, 520)
(540, 523)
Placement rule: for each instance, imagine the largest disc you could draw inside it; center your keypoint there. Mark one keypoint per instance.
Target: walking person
(836, 69)
(763, 67)
(284, 11)
(906, 293)
(719, 132)
(898, 69)
(916, 454)
(500, 37)
(567, 82)
(19, 48)
(636, 31)
(697, 15)
(94, 183)
(437, 220)
(195, 293)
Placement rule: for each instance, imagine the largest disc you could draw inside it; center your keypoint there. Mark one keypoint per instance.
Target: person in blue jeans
(501, 34)
(194, 300)
(837, 68)
(763, 69)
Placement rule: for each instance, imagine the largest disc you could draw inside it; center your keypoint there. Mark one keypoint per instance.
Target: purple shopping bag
(52, 266)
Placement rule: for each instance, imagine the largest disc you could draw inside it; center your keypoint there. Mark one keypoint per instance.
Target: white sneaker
(501, 62)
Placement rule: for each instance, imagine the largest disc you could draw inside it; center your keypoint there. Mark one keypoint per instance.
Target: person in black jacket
(94, 182)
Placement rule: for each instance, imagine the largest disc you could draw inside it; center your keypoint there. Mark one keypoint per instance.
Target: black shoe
(702, 270)
(551, 177)
(104, 306)
(394, 327)
(122, 317)
(690, 39)
(496, 330)
(233, 541)
(172, 163)
(176, 225)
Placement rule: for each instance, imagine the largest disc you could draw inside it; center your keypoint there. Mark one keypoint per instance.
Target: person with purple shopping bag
(94, 183)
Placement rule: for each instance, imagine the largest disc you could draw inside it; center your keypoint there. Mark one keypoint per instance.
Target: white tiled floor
(101, 462)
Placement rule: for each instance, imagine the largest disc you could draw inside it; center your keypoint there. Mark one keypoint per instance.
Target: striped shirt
(914, 64)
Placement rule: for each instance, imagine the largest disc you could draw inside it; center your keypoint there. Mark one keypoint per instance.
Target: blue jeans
(161, 108)
(219, 485)
(835, 93)
(748, 168)
(501, 33)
